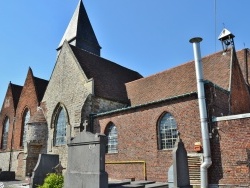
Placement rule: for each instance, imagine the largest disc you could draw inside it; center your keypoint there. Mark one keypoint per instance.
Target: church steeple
(80, 33)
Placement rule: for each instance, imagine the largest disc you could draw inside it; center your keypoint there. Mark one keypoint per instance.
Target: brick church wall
(239, 95)
(137, 133)
(7, 111)
(137, 137)
(28, 99)
(244, 60)
(230, 142)
(216, 101)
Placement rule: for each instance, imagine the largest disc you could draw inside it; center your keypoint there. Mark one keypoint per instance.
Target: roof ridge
(16, 84)
(183, 64)
(40, 78)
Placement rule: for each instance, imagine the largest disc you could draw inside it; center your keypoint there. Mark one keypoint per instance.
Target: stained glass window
(60, 128)
(5, 133)
(111, 133)
(26, 118)
(167, 131)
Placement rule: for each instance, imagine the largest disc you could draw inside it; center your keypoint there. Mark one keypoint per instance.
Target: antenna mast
(215, 21)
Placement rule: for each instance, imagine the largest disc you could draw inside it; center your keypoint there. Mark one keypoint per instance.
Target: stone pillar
(37, 134)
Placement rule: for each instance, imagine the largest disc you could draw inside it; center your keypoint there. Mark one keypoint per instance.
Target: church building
(141, 117)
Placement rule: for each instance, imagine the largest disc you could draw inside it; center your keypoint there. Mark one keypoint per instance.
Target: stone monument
(86, 161)
(179, 173)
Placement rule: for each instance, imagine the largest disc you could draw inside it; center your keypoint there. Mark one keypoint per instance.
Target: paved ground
(113, 184)
(14, 184)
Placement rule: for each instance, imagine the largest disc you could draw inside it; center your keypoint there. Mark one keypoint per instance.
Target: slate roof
(40, 85)
(16, 93)
(109, 77)
(180, 80)
(81, 32)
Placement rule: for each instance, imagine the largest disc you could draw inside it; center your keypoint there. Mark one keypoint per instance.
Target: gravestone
(86, 161)
(44, 166)
(180, 177)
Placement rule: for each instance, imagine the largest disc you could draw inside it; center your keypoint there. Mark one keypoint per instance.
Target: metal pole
(203, 112)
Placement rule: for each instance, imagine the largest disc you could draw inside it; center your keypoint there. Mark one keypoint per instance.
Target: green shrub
(52, 181)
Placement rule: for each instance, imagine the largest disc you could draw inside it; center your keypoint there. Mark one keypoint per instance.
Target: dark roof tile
(16, 92)
(180, 80)
(109, 77)
(41, 86)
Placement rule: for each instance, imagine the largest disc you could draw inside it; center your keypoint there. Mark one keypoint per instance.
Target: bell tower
(227, 39)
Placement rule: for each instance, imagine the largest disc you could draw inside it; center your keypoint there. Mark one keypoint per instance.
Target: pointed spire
(30, 71)
(80, 33)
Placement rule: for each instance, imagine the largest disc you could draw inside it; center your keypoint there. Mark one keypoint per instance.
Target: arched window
(111, 133)
(26, 118)
(5, 133)
(167, 131)
(60, 127)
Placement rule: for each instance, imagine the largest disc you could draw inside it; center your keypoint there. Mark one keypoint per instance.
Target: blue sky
(148, 36)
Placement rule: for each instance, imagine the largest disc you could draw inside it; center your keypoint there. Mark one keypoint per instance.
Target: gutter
(143, 105)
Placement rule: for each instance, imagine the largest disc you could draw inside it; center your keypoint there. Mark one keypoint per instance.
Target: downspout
(203, 113)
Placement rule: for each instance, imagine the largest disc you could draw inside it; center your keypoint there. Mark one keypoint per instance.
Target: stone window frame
(4, 141)
(55, 115)
(167, 131)
(112, 135)
(24, 126)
